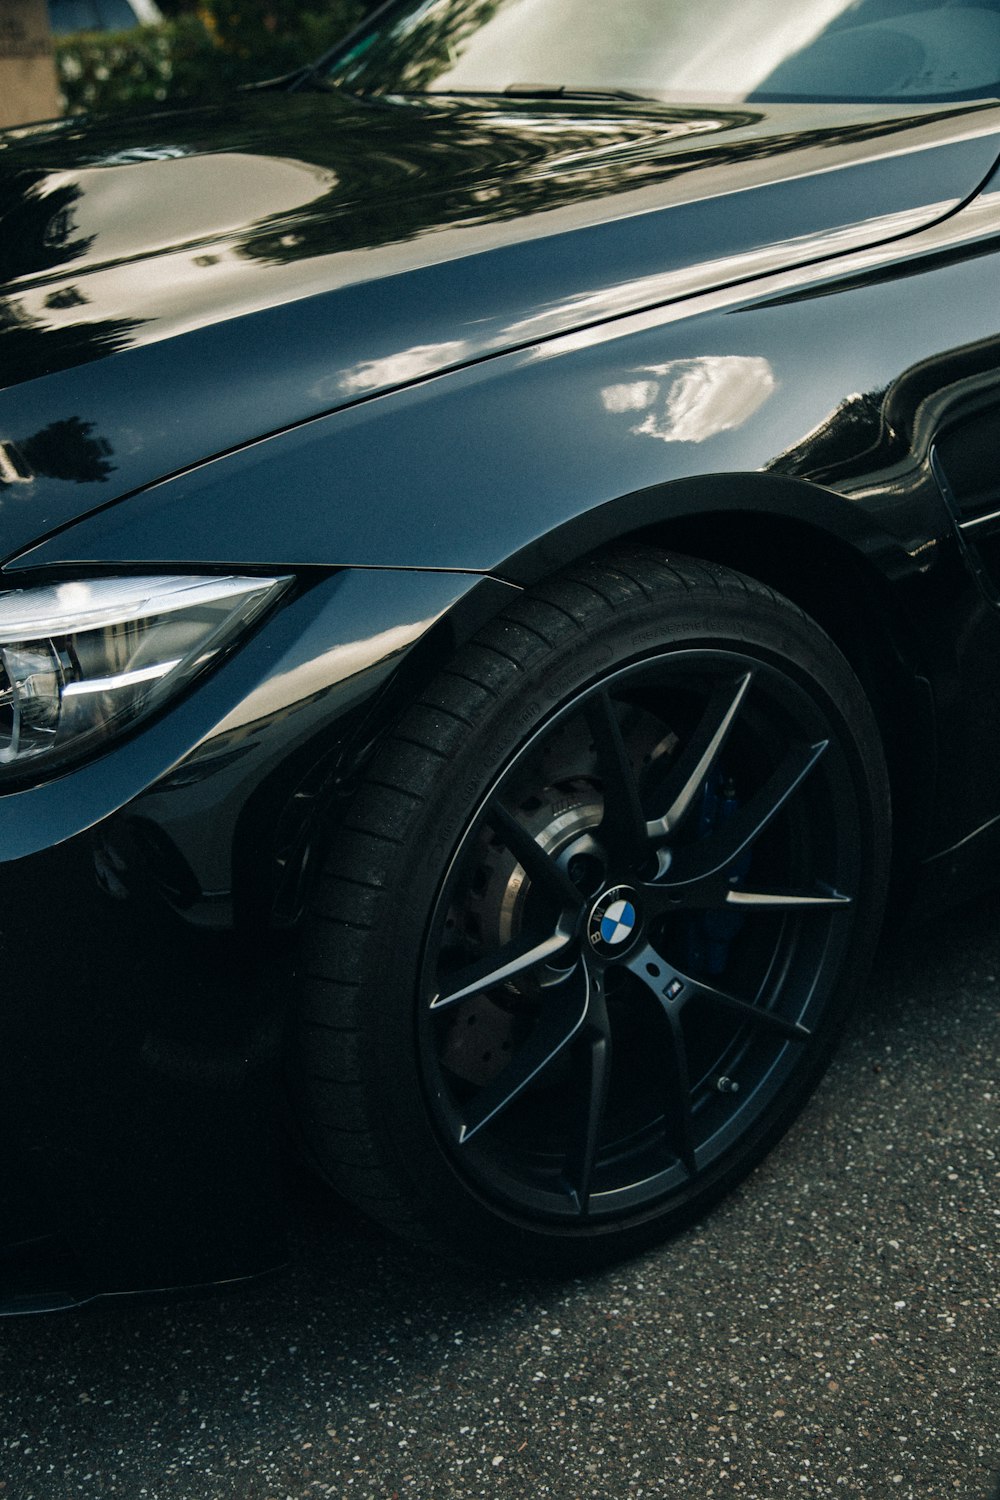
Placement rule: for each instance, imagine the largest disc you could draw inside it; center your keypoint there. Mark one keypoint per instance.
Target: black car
(501, 562)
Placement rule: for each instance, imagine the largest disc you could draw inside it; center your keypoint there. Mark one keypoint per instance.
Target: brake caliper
(710, 934)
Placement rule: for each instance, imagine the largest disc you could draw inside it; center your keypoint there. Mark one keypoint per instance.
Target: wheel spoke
(723, 847)
(669, 989)
(622, 828)
(561, 1018)
(595, 1044)
(504, 963)
(714, 893)
(673, 990)
(683, 779)
(776, 899)
(543, 871)
(677, 1098)
(696, 991)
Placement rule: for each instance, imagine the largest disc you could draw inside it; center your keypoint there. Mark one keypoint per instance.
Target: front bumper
(148, 906)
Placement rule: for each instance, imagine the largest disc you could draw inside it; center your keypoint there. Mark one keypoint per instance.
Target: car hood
(175, 286)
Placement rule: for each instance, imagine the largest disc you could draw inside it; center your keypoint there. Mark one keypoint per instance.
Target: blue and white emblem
(613, 920)
(618, 922)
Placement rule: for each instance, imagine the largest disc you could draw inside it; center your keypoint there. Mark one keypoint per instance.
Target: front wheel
(586, 939)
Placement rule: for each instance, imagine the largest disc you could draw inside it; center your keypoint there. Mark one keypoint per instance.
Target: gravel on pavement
(831, 1330)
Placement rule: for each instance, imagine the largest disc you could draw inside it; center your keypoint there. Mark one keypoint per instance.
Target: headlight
(80, 661)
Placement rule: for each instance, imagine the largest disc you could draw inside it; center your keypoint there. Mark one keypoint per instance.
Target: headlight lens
(80, 661)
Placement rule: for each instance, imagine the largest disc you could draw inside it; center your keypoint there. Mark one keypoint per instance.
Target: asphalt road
(831, 1330)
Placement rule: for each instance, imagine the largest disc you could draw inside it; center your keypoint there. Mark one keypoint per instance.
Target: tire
(585, 941)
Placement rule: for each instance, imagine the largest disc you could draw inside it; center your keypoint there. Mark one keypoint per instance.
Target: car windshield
(680, 50)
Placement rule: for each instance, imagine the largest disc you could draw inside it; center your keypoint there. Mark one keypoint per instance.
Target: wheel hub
(614, 922)
(561, 825)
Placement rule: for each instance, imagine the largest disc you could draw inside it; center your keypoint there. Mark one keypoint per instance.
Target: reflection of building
(28, 88)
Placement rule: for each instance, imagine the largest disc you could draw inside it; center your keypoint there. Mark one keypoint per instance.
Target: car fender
(603, 430)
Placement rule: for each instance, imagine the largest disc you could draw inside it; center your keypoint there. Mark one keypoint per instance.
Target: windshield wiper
(570, 91)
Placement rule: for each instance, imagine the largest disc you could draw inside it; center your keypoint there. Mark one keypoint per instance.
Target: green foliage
(198, 57)
(108, 71)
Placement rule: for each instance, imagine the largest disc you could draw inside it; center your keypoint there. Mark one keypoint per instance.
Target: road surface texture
(831, 1330)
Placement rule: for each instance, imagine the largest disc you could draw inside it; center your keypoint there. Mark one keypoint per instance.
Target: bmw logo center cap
(613, 921)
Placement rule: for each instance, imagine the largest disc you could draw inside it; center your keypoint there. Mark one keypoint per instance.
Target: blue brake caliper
(710, 933)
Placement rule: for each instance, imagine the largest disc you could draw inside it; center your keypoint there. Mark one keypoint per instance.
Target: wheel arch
(811, 545)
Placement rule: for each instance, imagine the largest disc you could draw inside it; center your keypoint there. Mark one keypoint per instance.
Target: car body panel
(681, 392)
(568, 231)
